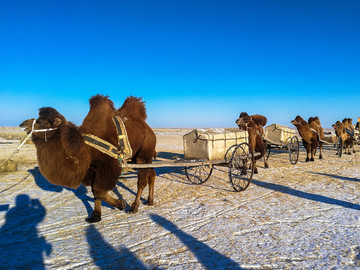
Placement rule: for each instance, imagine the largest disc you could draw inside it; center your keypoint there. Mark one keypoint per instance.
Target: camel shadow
(338, 177)
(21, 246)
(80, 192)
(106, 257)
(306, 195)
(208, 257)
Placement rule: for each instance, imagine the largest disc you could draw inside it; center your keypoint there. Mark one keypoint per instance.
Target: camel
(255, 132)
(346, 133)
(66, 159)
(314, 123)
(310, 138)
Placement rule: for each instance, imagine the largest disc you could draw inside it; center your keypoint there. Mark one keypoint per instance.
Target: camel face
(27, 125)
(243, 120)
(297, 121)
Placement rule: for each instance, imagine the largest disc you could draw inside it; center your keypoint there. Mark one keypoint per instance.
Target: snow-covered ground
(305, 216)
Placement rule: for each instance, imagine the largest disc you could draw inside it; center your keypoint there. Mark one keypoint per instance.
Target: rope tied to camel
(25, 140)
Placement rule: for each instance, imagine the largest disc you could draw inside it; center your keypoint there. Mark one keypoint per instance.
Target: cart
(206, 148)
(278, 136)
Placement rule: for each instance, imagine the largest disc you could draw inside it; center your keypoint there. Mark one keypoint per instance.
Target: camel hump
(97, 100)
(134, 107)
(259, 119)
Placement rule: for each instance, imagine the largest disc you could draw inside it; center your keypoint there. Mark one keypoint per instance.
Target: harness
(122, 153)
(350, 132)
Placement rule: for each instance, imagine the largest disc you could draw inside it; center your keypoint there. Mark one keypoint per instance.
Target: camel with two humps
(345, 131)
(310, 135)
(65, 159)
(254, 126)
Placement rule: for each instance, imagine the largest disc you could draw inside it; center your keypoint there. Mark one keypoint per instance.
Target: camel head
(298, 121)
(243, 120)
(27, 125)
(338, 127)
(49, 118)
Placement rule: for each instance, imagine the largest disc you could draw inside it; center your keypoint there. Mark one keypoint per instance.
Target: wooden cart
(206, 148)
(278, 136)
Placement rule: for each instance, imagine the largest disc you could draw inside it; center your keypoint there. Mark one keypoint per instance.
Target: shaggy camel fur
(64, 158)
(345, 131)
(314, 123)
(310, 138)
(255, 132)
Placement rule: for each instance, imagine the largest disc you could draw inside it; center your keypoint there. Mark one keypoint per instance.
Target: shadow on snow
(107, 257)
(208, 257)
(306, 195)
(21, 246)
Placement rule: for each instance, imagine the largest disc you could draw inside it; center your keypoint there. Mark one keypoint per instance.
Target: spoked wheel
(241, 167)
(340, 146)
(198, 174)
(229, 153)
(293, 148)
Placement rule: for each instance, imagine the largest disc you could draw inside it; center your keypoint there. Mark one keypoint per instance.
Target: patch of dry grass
(12, 134)
(8, 166)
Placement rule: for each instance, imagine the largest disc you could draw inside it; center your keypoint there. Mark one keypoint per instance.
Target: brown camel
(255, 132)
(310, 138)
(344, 131)
(65, 159)
(314, 123)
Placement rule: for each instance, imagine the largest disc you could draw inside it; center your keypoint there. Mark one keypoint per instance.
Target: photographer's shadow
(20, 244)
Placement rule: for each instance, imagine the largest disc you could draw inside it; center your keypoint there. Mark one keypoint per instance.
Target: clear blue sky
(195, 63)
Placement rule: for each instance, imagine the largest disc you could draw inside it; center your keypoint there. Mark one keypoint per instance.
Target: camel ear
(57, 122)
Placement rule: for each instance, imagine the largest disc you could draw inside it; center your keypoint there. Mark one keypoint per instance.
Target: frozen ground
(305, 216)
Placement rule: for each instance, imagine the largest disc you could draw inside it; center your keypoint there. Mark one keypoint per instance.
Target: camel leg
(96, 215)
(255, 168)
(313, 151)
(307, 147)
(266, 164)
(141, 184)
(104, 196)
(151, 182)
(321, 146)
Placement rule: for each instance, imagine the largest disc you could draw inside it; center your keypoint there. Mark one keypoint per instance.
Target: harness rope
(24, 141)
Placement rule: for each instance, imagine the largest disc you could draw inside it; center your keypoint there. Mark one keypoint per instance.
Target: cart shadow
(305, 195)
(338, 177)
(207, 256)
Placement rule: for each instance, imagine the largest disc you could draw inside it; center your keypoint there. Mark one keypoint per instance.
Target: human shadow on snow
(107, 257)
(207, 256)
(338, 177)
(21, 246)
(306, 195)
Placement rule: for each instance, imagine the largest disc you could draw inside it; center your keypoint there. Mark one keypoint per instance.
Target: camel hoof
(150, 203)
(121, 204)
(134, 208)
(95, 217)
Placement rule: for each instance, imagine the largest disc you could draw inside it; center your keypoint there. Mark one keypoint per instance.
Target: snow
(305, 216)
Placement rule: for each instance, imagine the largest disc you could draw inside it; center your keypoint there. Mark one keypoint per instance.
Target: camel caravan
(96, 152)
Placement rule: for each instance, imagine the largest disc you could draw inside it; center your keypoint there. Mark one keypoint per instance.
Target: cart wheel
(241, 167)
(293, 148)
(198, 174)
(229, 152)
(340, 146)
